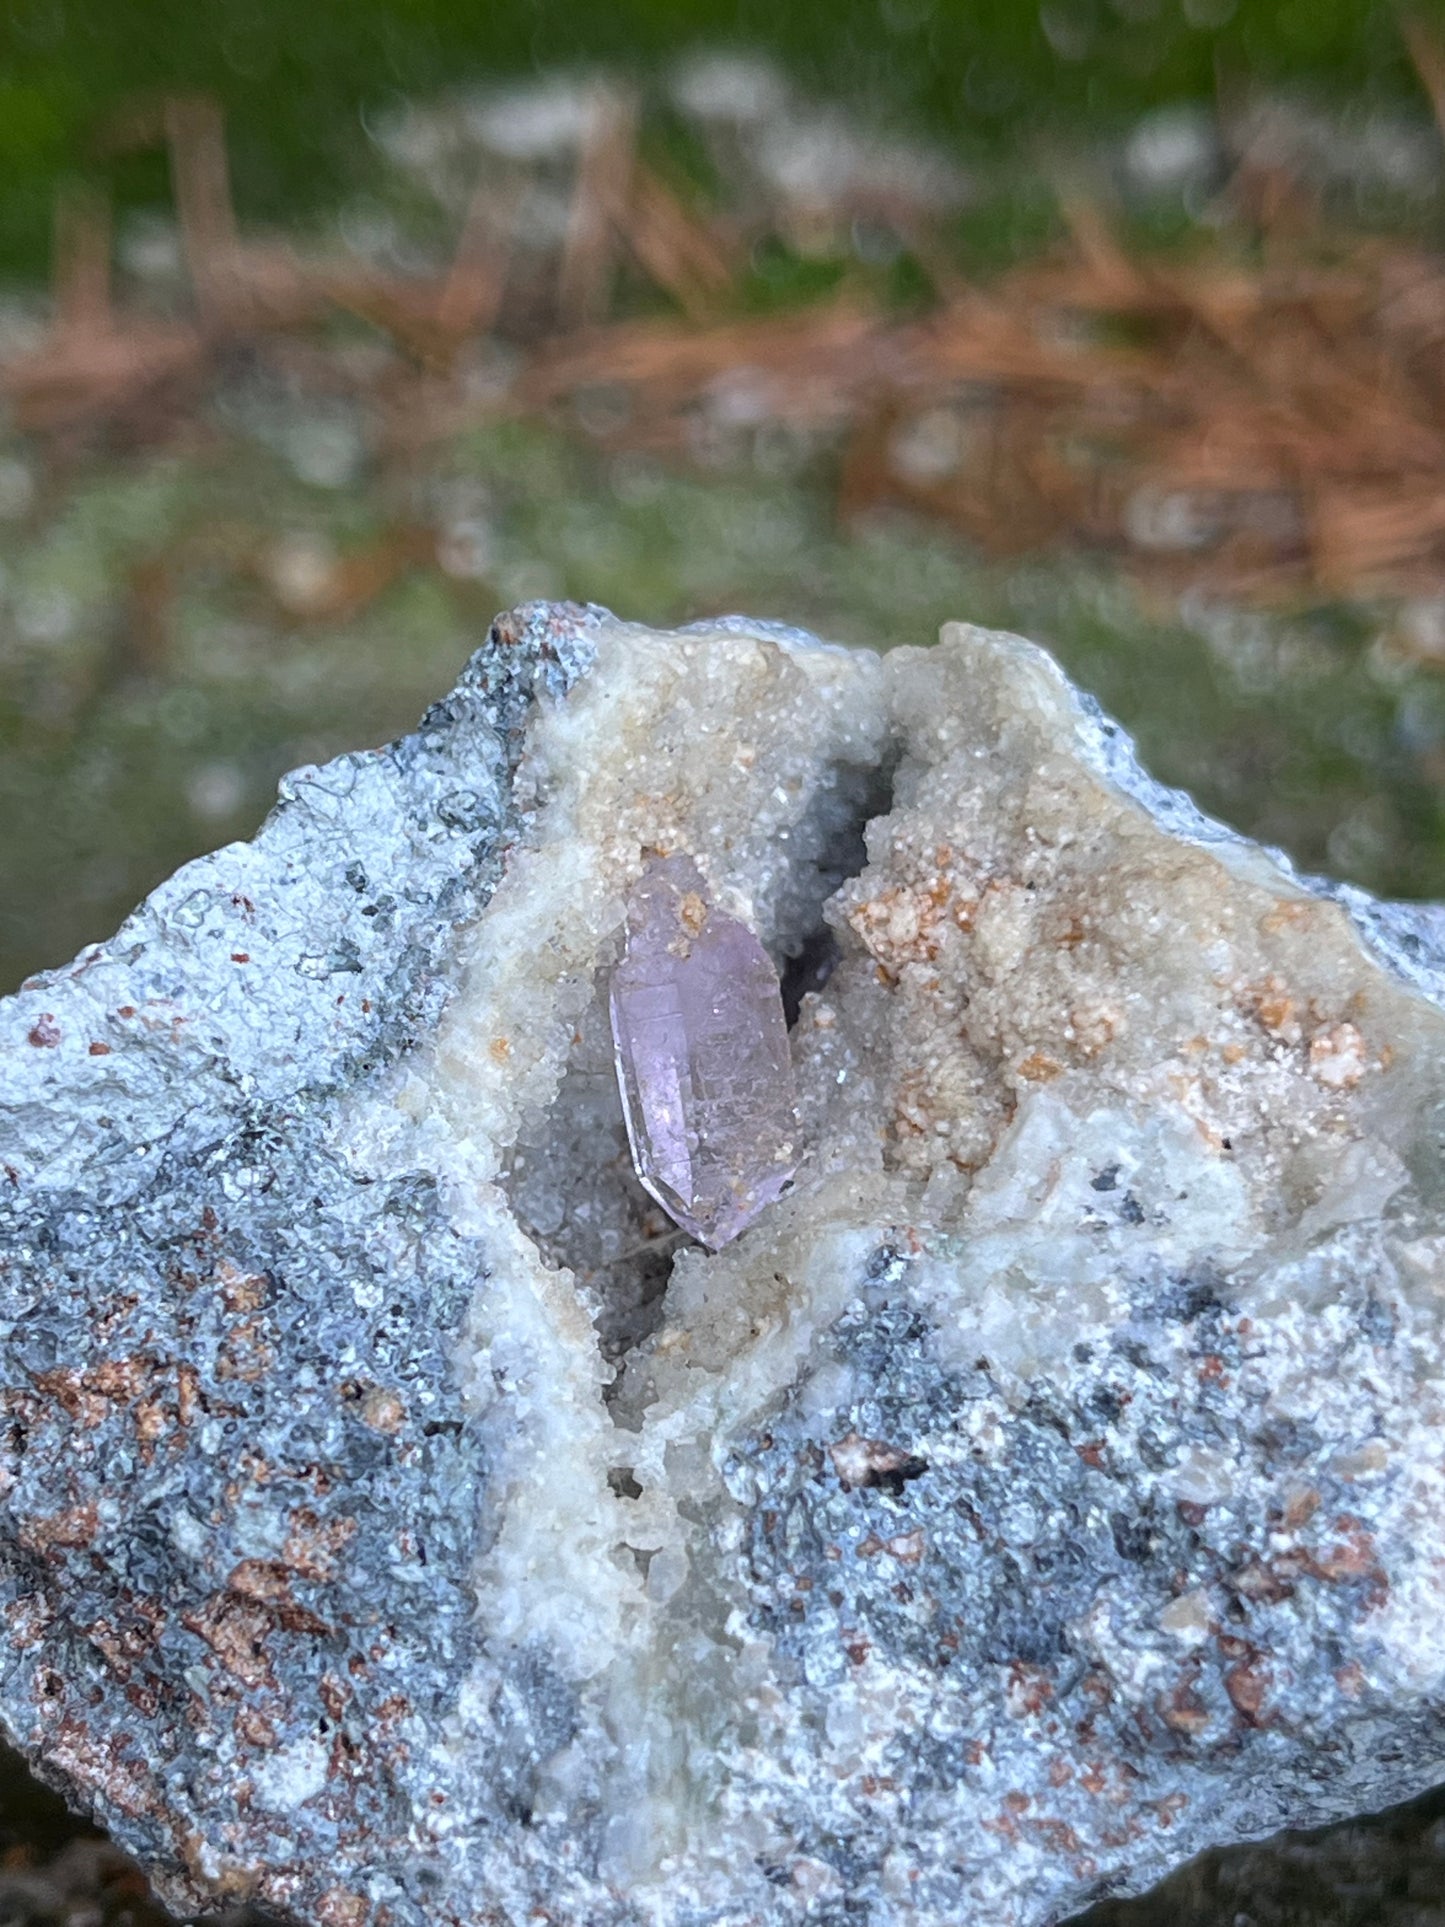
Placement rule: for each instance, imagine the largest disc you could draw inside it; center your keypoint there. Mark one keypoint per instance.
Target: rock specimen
(702, 1057)
(399, 1525)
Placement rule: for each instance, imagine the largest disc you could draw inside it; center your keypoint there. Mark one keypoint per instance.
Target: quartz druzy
(702, 1057)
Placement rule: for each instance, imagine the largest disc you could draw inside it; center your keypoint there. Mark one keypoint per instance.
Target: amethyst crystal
(702, 1057)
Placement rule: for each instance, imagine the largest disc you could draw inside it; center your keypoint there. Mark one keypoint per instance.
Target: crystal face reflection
(702, 1057)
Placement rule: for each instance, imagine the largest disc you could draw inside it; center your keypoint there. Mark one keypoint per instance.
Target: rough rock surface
(401, 1523)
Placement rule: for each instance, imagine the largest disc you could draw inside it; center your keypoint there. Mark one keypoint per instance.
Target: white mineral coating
(398, 1525)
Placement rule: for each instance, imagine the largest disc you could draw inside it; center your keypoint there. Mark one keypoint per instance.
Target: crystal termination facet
(702, 1057)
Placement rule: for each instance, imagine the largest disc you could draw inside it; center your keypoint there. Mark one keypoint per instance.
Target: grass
(300, 83)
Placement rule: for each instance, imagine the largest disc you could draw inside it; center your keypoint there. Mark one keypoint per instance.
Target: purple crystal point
(702, 1057)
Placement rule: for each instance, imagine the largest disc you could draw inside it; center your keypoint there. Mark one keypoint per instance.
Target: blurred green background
(986, 76)
(232, 543)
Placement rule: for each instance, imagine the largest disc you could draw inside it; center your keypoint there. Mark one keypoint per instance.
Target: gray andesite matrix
(404, 1522)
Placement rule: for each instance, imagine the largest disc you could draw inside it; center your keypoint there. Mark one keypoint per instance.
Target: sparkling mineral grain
(702, 1057)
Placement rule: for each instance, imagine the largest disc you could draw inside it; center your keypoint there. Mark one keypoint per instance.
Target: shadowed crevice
(858, 794)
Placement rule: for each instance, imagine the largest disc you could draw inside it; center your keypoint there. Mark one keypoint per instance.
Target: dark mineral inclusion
(702, 1057)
